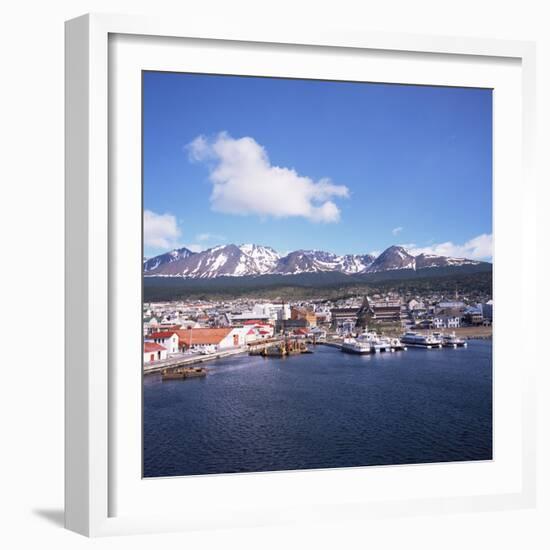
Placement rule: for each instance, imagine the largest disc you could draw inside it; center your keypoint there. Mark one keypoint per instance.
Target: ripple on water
(322, 410)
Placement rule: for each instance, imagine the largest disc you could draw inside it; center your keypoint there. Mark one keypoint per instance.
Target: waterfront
(323, 410)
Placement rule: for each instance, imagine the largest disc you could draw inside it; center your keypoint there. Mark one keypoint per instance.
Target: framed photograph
(296, 284)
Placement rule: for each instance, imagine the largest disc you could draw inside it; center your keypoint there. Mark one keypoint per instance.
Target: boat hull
(423, 345)
(355, 351)
(454, 344)
(185, 373)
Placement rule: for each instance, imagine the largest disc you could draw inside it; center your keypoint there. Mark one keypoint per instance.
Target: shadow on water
(54, 516)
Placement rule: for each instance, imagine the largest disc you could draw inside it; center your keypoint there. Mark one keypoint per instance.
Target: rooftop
(163, 335)
(202, 336)
(149, 347)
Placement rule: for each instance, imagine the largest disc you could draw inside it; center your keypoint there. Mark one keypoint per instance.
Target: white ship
(356, 345)
(451, 340)
(416, 340)
(370, 342)
(385, 343)
(370, 338)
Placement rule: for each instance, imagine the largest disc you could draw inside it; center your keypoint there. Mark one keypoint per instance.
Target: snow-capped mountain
(424, 261)
(394, 257)
(314, 261)
(159, 261)
(264, 258)
(253, 260)
(397, 257)
(355, 263)
(227, 260)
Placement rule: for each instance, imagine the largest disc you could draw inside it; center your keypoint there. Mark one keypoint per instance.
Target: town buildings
(188, 326)
(386, 310)
(308, 315)
(344, 319)
(447, 318)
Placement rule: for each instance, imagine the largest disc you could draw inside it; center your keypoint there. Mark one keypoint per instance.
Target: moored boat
(376, 344)
(357, 346)
(370, 342)
(182, 373)
(416, 340)
(396, 345)
(451, 340)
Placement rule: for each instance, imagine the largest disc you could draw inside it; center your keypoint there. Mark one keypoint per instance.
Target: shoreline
(173, 363)
(468, 333)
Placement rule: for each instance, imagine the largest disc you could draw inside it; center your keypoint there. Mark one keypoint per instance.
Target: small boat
(385, 344)
(396, 345)
(183, 373)
(416, 340)
(453, 341)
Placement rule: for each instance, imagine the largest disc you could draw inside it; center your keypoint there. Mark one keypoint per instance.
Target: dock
(280, 348)
(330, 344)
(185, 360)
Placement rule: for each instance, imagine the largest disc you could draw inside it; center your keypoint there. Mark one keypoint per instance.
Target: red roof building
(202, 336)
(152, 347)
(153, 352)
(164, 335)
(168, 339)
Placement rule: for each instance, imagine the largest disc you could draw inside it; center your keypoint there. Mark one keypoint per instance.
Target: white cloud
(160, 230)
(198, 149)
(245, 182)
(194, 247)
(396, 230)
(209, 237)
(408, 246)
(478, 248)
(375, 253)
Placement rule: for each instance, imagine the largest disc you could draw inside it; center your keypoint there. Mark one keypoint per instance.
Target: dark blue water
(323, 410)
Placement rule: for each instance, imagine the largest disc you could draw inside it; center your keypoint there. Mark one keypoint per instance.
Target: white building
(258, 331)
(150, 324)
(272, 311)
(446, 321)
(214, 339)
(169, 340)
(153, 352)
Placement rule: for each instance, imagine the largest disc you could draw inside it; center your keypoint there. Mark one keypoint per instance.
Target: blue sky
(343, 167)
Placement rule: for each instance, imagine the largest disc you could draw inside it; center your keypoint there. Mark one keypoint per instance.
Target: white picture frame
(91, 267)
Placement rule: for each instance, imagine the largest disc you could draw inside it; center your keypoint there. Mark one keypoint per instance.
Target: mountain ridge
(254, 260)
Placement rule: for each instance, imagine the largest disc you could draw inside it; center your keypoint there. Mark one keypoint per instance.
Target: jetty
(281, 348)
(184, 360)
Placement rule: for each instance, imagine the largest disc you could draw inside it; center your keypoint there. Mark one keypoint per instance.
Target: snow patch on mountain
(253, 260)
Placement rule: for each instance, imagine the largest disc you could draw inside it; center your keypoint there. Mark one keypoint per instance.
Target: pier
(185, 360)
(331, 344)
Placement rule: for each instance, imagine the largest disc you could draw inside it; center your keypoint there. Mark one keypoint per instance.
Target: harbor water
(322, 410)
